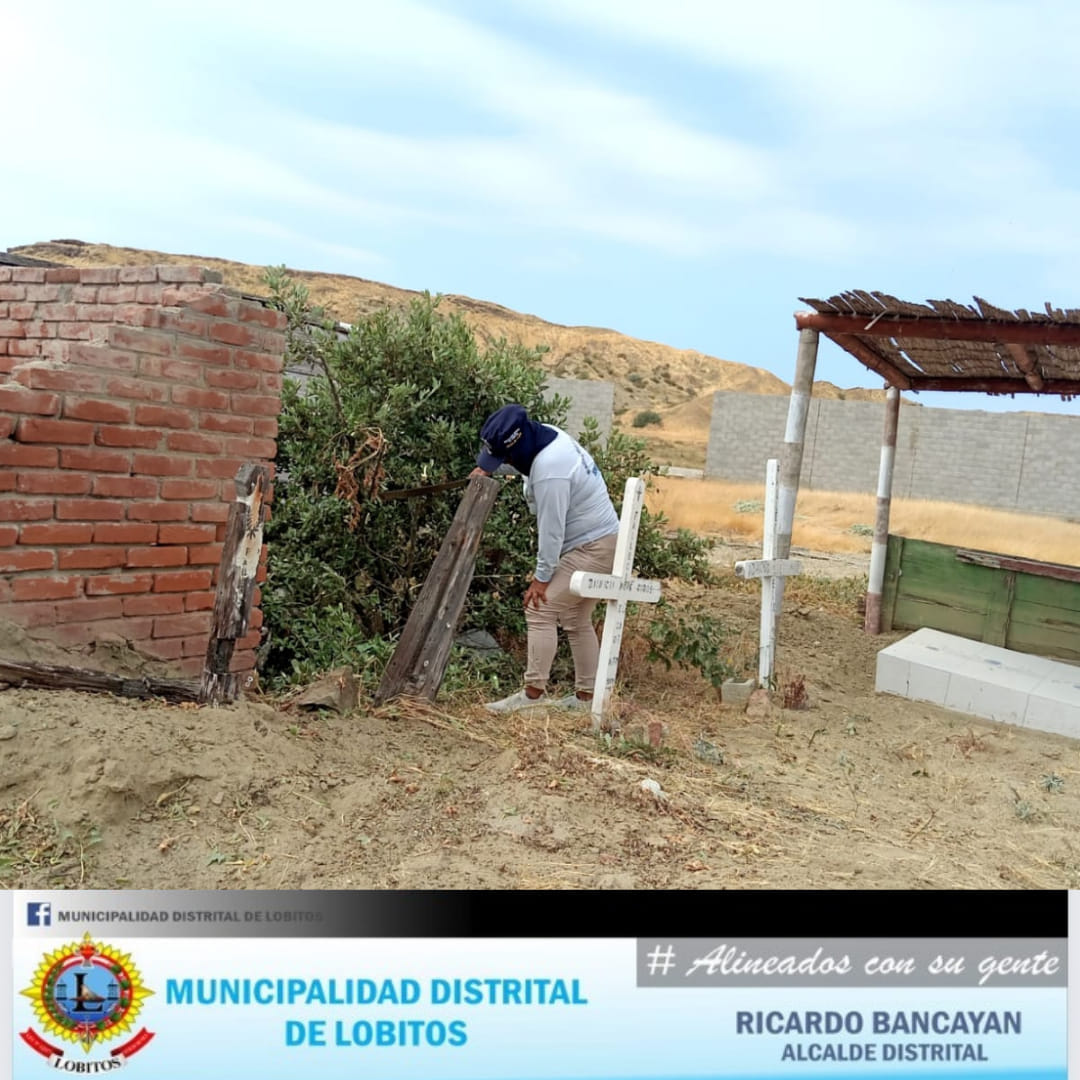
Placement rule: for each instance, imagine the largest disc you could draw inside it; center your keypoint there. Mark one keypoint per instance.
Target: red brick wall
(129, 397)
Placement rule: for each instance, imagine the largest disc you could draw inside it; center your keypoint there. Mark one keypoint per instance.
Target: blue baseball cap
(502, 430)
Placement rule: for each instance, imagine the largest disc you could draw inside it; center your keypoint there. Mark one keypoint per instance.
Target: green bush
(647, 417)
(399, 404)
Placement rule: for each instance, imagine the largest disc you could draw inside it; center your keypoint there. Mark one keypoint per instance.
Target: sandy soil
(855, 789)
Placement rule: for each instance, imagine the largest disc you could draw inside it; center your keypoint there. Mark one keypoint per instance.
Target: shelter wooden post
(419, 661)
(872, 622)
(236, 581)
(791, 457)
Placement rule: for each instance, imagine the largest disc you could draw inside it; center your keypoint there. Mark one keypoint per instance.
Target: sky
(681, 171)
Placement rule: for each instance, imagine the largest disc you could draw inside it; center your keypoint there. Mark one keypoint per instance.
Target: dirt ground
(855, 790)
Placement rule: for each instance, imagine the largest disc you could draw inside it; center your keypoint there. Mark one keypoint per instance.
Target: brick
(186, 442)
(119, 584)
(72, 635)
(17, 400)
(23, 348)
(219, 467)
(94, 460)
(97, 313)
(61, 275)
(167, 604)
(40, 329)
(53, 483)
(55, 534)
(59, 312)
(125, 533)
(90, 558)
(242, 662)
(251, 448)
(204, 354)
(9, 328)
(25, 509)
(21, 312)
(161, 465)
(205, 554)
(149, 294)
(125, 487)
(117, 294)
(164, 367)
(157, 556)
(258, 361)
(129, 275)
(31, 616)
(140, 315)
(163, 648)
(272, 383)
(101, 356)
(195, 622)
(89, 610)
(232, 334)
(163, 416)
(182, 581)
(215, 304)
(89, 510)
(233, 380)
(158, 511)
(203, 601)
(181, 274)
(73, 432)
(50, 588)
(33, 457)
(256, 619)
(13, 561)
(147, 341)
(30, 275)
(186, 534)
(189, 489)
(5, 274)
(145, 438)
(262, 316)
(101, 412)
(80, 294)
(193, 646)
(249, 641)
(272, 342)
(194, 398)
(135, 631)
(215, 511)
(7, 426)
(73, 331)
(42, 378)
(8, 535)
(7, 481)
(235, 425)
(12, 292)
(183, 322)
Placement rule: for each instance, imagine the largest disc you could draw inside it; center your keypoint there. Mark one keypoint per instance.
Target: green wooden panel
(932, 570)
(912, 613)
(1044, 641)
(1047, 592)
(999, 608)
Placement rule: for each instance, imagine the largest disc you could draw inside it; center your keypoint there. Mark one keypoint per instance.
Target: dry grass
(824, 520)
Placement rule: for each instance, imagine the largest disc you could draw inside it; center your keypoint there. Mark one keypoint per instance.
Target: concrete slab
(982, 680)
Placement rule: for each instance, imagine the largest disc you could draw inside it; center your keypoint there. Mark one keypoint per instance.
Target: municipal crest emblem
(88, 996)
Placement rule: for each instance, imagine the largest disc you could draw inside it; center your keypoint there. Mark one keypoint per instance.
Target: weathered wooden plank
(236, 581)
(999, 608)
(1055, 596)
(913, 613)
(1044, 641)
(932, 569)
(1024, 566)
(419, 661)
(59, 677)
(893, 559)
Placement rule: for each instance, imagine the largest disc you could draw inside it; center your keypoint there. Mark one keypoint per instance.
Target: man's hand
(536, 593)
(478, 472)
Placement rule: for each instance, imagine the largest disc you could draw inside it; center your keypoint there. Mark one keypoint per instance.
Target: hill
(646, 374)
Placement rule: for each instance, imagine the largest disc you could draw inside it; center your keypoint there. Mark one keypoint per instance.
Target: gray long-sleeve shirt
(566, 492)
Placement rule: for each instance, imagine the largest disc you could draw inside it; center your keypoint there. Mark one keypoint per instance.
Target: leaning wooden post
(236, 581)
(872, 622)
(791, 456)
(419, 662)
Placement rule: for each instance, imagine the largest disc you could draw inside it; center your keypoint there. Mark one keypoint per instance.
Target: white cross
(617, 588)
(772, 571)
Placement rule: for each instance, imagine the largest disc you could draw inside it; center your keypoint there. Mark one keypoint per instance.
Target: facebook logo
(38, 914)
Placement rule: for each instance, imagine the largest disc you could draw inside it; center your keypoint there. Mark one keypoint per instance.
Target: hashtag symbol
(661, 960)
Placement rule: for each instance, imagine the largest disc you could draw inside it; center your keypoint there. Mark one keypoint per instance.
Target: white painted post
(879, 550)
(772, 571)
(617, 588)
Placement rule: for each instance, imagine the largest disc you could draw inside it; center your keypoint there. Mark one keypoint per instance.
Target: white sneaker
(520, 700)
(572, 701)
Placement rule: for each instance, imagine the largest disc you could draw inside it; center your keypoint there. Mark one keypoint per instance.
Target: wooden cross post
(771, 571)
(617, 588)
(236, 581)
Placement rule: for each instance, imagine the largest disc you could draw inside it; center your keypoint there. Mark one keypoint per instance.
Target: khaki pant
(572, 613)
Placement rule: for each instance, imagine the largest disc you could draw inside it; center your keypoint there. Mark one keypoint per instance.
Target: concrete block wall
(129, 397)
(1012, 461)
(588, 397)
